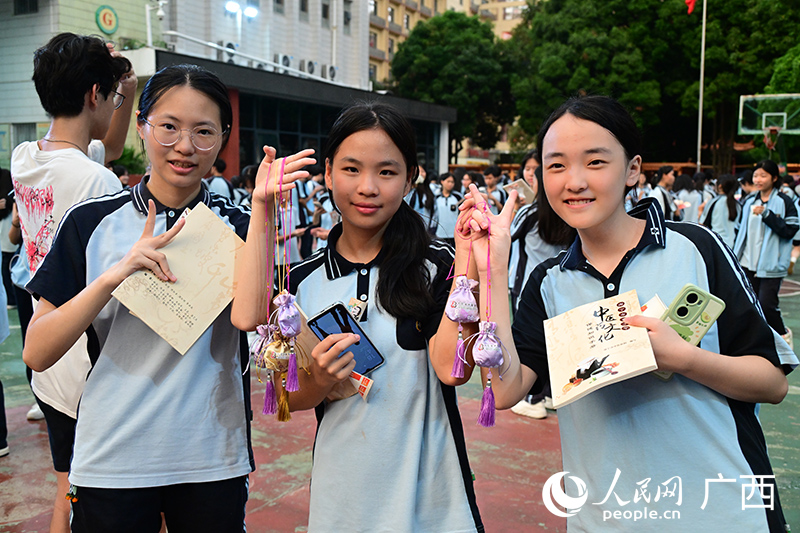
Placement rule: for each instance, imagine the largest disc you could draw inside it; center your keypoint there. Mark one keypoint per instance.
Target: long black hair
(605, 112)
(666, 169)
(728, 184)
(403, 280)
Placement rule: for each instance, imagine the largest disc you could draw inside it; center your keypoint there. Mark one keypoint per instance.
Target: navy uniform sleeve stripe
(728, 282)
(441, 255)
(528, 326)
(302, 270)
(62, 275)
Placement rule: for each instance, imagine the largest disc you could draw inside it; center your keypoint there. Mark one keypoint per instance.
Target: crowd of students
(159, 431)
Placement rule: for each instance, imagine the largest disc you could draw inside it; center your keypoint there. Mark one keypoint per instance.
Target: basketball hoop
(771, 135)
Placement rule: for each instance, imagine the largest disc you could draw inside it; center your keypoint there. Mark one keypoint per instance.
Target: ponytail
(403, 281)
(728, 184)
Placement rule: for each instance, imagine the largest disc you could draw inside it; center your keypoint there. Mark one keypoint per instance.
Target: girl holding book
(640, 438)
(397, 461)
(158, 431)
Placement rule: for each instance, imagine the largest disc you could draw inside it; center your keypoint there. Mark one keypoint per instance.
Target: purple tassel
(270, 400)
(292, 384)
(458, 362)
(486, 417)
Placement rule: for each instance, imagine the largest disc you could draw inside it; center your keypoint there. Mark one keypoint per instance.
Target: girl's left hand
(278, 176)
(671, 351)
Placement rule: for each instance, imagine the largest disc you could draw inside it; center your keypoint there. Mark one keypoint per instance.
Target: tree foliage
(453, 60)
(646, 53)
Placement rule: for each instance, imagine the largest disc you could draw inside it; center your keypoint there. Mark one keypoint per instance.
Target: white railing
(276, 67)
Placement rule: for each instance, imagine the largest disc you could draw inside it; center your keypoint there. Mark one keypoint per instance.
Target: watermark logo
(552, 494)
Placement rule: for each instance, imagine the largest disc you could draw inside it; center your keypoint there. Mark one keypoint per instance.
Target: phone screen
(336, 319)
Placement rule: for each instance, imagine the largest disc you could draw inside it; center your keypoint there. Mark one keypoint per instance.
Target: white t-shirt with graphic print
(46, 186)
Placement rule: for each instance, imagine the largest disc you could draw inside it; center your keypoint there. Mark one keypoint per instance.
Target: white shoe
(548, 403)
(35, 413)
(788, 338)
(536, 410)
(3, 451)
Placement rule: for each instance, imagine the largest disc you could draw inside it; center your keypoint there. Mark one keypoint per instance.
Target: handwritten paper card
(589, 347)
(202, 257)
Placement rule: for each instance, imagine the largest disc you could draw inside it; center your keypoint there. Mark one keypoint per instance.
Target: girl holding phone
(396, 462)
(703, 420)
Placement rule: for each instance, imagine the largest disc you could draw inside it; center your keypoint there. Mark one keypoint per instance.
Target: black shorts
(61, 431)
(213, 507)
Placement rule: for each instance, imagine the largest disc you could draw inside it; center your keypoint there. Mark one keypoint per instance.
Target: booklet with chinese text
(202, 257)
(589, 347)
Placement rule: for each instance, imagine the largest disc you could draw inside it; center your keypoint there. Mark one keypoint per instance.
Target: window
(347, 17)
(373, 7)
(24, 7)
(373, 39)
(390, 48)
(390, 14)
(326, 13)
(304, 6)
(373, 72)
(278, 6)
(407, 21)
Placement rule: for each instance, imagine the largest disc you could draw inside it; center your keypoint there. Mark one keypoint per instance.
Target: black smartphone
(337, 319)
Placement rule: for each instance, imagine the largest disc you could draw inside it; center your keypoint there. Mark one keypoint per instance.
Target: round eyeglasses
(167, 134)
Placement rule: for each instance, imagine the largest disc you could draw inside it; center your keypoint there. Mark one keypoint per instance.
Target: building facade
(290, 66)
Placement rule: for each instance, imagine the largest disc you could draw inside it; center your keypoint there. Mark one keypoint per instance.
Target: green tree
(646, 53)
(453, 60)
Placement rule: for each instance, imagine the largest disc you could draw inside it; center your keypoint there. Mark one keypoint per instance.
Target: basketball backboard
(760, 114)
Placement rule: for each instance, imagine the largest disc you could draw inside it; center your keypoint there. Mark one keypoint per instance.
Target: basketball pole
(702, 80)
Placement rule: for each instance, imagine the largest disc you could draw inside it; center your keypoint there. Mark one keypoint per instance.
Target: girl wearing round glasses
(158, 431)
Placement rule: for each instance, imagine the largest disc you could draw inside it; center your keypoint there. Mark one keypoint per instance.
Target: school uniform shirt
(527, 248)
(717, 217)
(665, 201)
(149, 416)
(501, 196)
(326, 218)
(691, 213)
(46, 185)
(764, 242)
(644, 435)
(417, 202)
(219, 185)
(447, 207)
(398, 461)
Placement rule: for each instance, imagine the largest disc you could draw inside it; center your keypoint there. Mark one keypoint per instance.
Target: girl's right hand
(329, 365)
(486, 229)
(145, 254)
(269, 182)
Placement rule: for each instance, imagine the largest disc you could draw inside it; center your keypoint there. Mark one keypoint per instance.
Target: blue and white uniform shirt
(404, 448)
(651, 433)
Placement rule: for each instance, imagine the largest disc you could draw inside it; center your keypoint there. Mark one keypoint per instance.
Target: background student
(89, 91)
(722, 212)
(763, 245)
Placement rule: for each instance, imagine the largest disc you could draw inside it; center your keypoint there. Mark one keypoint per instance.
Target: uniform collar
(648, 210)
(140, 194)
(337, 266)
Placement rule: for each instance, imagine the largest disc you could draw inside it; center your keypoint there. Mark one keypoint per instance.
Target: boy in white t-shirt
(89, 91)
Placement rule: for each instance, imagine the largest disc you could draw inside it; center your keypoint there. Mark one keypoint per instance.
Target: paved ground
(511, 461)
